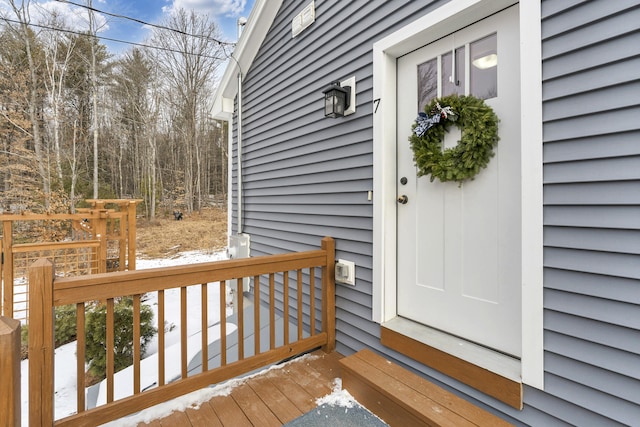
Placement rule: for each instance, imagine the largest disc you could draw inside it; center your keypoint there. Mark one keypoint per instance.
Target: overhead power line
(139, 21)
(62, 30)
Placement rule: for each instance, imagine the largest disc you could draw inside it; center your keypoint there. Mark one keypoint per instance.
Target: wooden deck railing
(271, 277)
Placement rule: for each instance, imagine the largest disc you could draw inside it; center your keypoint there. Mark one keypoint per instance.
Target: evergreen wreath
(479, 126)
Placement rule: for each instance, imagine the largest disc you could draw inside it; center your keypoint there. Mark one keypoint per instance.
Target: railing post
(329, 295)
(131, 235)
(7, 268)
(10, 397)
(101, 235)
(41, 343)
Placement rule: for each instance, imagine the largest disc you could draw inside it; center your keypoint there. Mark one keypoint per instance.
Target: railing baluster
(239, 283)
(136, 344)
(161, 337)
(312, 301)
(256, 314)
(285, 308)
(183, 330)
(110, 349)
(7, 273)
(205, 326)
(80, 352)
(272, 312)
(223, 323)
(300, 312)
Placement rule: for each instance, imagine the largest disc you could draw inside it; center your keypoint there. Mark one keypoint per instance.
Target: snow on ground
(172, 298)
(65, 356)
(123, 380)
(338, 396)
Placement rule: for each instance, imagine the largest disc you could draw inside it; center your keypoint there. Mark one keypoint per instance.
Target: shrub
(65, 324)
(64, 332)
(95, 353)
(24, 342)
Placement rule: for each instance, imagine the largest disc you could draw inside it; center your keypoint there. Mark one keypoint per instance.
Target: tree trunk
(74, 169)
(23, 18)
(94, 87)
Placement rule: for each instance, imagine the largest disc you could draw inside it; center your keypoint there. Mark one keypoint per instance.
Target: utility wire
(62, 30)
(162, 27)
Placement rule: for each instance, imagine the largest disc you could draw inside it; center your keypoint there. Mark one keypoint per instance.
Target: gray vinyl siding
(591, 105)
(306, 177)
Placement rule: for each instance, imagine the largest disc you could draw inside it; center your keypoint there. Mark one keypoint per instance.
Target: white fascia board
(255, 30)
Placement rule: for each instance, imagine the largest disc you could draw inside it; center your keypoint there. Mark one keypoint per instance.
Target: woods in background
(76, 123)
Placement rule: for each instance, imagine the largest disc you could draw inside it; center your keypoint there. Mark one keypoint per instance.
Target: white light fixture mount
(351, 83)
(340, 98)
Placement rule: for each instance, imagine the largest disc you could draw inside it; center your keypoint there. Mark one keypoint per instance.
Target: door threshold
(489, 371)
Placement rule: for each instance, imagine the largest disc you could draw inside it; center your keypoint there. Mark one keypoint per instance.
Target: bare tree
(57, 52)
(188, 60)
(67, 122)
(135, 90)
(18, 176)
(23, 17)
(94, 93)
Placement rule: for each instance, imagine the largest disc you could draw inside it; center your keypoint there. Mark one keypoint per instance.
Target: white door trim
(442, 21)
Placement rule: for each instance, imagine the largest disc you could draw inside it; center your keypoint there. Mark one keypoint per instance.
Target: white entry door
(458, 246)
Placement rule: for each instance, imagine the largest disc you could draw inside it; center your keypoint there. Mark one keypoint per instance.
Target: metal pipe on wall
(239, 153)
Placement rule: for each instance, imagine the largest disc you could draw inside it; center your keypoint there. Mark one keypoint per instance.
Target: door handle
(403, 199)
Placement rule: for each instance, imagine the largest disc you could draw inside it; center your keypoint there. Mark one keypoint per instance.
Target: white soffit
(253, 34)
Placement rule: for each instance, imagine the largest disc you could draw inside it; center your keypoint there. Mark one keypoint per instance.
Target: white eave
(255, 30)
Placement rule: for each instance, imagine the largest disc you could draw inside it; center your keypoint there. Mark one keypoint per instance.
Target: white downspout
(241, 241)
(239, 153)
(241, 23)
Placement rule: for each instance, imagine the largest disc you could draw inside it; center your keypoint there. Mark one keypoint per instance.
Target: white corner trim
(438, 23)
(532, 201)
(384, 185)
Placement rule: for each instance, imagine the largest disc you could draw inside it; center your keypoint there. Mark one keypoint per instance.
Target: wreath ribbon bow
(424, 122)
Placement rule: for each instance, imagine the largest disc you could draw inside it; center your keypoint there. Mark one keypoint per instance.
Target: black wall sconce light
(339, 98)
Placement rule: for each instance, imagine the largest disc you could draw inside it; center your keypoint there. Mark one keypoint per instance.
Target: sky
(224, 12)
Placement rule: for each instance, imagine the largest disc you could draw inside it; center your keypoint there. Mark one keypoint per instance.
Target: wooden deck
(270, 399)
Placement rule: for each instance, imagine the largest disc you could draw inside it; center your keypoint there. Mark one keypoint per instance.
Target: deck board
(176, 419)
(272, 398)
(254, 408)
(296, 394)
(228, 411)
(279, 403)
(310, 379)
(204, 416)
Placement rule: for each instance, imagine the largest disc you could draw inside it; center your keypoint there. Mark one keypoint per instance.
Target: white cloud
(75, 18)
(228, 8)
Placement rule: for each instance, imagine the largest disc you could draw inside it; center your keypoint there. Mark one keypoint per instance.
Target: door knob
(403, 199)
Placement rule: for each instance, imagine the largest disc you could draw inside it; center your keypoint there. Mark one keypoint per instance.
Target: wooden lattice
(93, 240)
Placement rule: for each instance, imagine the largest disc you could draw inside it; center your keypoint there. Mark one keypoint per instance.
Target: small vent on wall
(303, 19)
